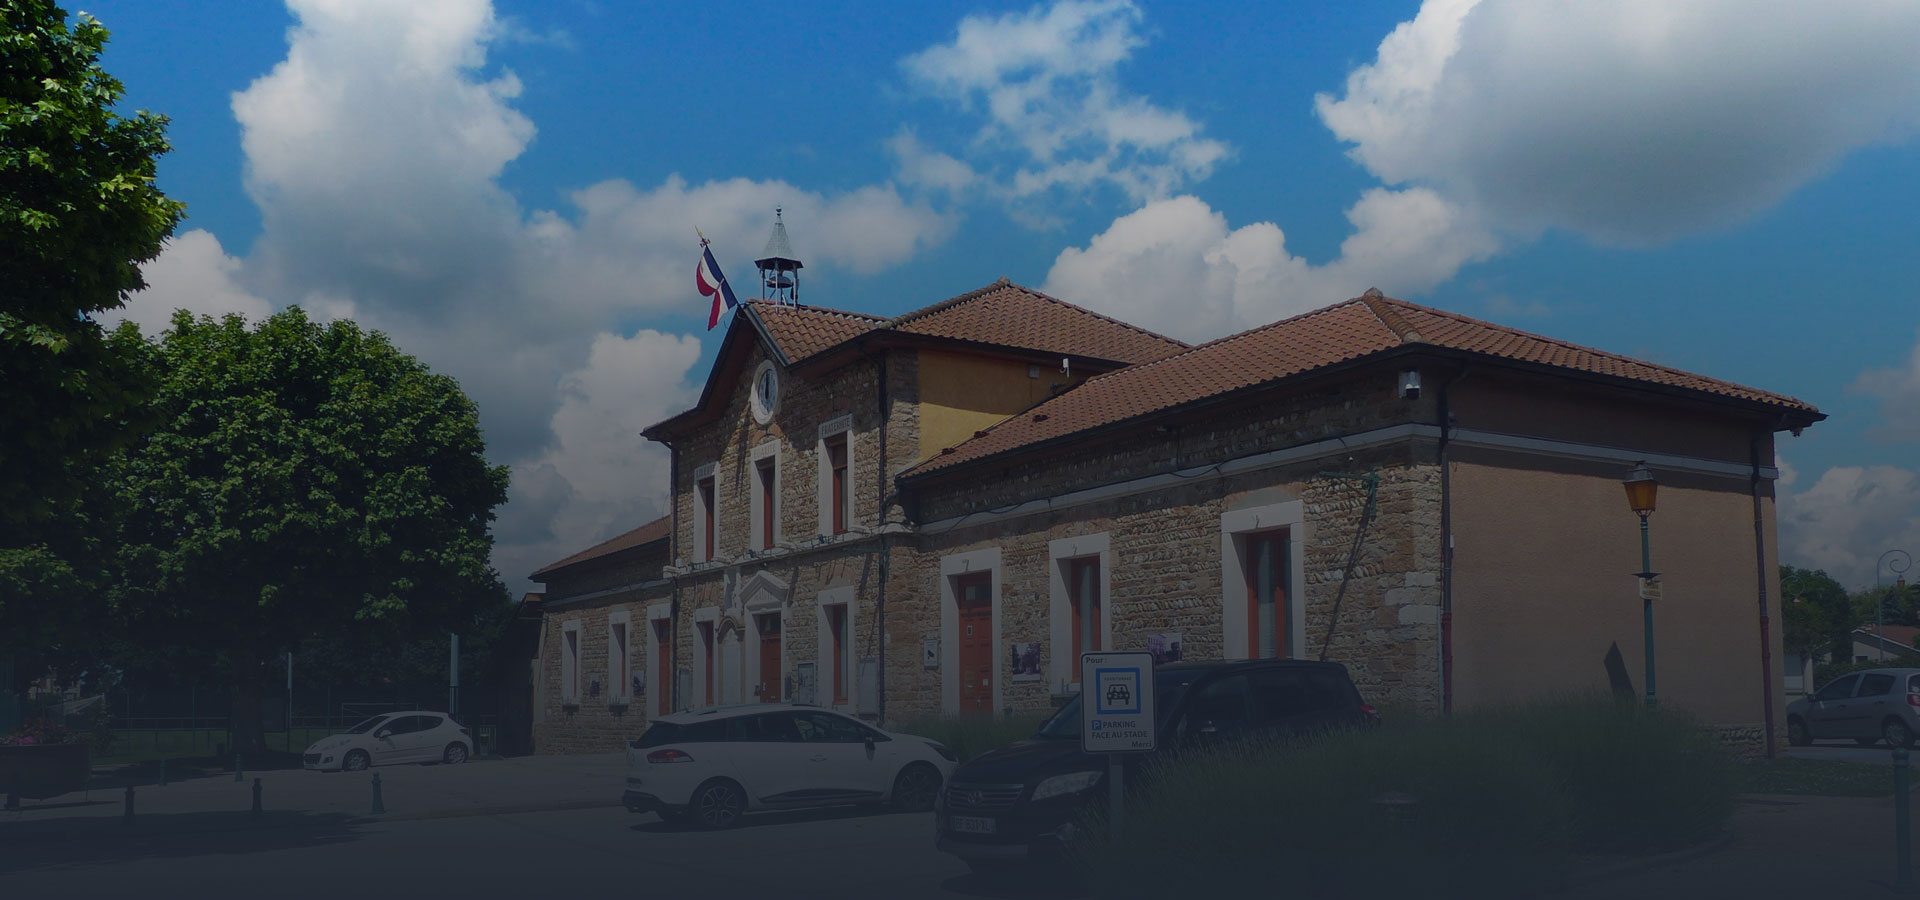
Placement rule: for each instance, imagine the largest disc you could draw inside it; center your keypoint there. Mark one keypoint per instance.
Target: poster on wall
(1026, 661)
(930, 654)
(1164, 647)
(803, 690)
(639, 682)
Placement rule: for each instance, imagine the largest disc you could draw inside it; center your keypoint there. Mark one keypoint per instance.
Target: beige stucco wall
(961, 393)
(1544, 553)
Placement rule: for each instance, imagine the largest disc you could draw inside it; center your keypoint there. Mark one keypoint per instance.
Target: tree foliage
(305, 481)
(79, 213)
(1816, 612)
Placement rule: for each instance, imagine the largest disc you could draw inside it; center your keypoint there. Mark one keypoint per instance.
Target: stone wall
(805, 404)
(593, 724)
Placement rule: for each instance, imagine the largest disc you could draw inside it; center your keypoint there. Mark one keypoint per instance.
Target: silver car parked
(1869, 706)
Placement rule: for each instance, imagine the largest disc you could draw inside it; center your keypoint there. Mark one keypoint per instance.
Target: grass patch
(1820, 777)
(970, 736)
(1503, 801)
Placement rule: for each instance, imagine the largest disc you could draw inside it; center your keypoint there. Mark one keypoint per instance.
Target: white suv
(711, 767)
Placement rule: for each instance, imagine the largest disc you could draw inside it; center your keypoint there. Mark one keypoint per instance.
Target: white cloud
(599, 471)
(1844, 521)
(1899, 391)
(1056, 116)
(1175, 266)
(1631, 121)
(374, 151)
(192, 273)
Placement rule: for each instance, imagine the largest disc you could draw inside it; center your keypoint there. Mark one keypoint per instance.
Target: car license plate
(971, 825)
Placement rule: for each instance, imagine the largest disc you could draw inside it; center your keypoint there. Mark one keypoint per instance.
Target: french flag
(707, 277)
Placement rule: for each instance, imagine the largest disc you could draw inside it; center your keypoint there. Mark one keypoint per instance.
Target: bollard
(1902, 822)
(236, 767)
(378, 808)
(127, 816)
(256, 798)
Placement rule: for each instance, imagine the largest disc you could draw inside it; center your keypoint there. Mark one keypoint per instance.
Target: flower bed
(44, 760)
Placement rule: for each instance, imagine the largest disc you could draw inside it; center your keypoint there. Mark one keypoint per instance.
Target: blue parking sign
(1116, 703)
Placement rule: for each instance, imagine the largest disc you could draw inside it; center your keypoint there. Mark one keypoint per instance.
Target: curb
(1623, 868)
(507, 810)
(110, 827)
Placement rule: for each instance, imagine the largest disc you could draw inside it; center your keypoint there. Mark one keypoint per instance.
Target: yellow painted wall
(962, 393)
(1543, 586)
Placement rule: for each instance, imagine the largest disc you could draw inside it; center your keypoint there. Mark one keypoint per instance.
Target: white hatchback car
(711, 767)
(400, 737)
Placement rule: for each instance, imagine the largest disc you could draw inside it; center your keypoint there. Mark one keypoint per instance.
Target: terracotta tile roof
(1010, 315)
(655, 530)
(1461, 333)
(1324, 337)
(1900, 634)
(802, 331)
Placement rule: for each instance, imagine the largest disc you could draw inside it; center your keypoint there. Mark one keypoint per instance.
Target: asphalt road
(824, 855)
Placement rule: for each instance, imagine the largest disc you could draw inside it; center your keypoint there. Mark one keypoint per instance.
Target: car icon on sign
(1118, 694)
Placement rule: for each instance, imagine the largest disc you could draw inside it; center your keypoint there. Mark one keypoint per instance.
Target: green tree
(305, 480)
(1816, 613)
(79, 213)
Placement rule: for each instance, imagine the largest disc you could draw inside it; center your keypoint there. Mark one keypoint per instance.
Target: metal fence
(212, 737)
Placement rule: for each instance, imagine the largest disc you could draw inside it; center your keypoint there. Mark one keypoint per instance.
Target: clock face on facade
(766, 392)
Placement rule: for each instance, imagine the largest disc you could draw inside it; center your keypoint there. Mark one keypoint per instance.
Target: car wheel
(456, 754)
(1797, 733)
(1897, 734)
(355, 761)
(916, 788)
(717, 805)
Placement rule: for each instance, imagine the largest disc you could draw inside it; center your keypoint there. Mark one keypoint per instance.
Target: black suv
(1019, 803)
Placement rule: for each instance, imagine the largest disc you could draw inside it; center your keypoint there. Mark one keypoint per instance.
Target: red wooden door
(770, 674)
(662, 665)
(974, 597)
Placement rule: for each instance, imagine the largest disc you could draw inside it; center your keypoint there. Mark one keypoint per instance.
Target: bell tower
(779, 270)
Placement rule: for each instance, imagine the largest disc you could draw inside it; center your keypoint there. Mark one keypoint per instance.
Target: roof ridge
(1560, 342)
(1378, 304)
(948, 303)
(1100, 315)
(1194, 348)
(1191, 350)
(769, 304)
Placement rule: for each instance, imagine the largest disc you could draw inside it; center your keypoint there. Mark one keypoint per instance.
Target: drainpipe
(673, 558)
(1446, 544)
(880, 599)
(1760, 566)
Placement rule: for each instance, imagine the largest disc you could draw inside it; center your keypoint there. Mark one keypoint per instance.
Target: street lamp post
(1900, 584)
(1641, 489)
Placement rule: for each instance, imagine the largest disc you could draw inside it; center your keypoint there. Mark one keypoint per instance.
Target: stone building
(934, 513)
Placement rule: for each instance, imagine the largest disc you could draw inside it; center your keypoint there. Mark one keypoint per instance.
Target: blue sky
(511, 190)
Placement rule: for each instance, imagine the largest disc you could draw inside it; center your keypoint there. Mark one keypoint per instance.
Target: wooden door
(770, 673)
(663, 665)
(973, 594)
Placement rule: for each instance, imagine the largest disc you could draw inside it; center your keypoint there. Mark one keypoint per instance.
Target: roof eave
(1783, 417)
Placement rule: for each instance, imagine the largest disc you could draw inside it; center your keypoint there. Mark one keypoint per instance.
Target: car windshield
(367, 726)
(1168, 688)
